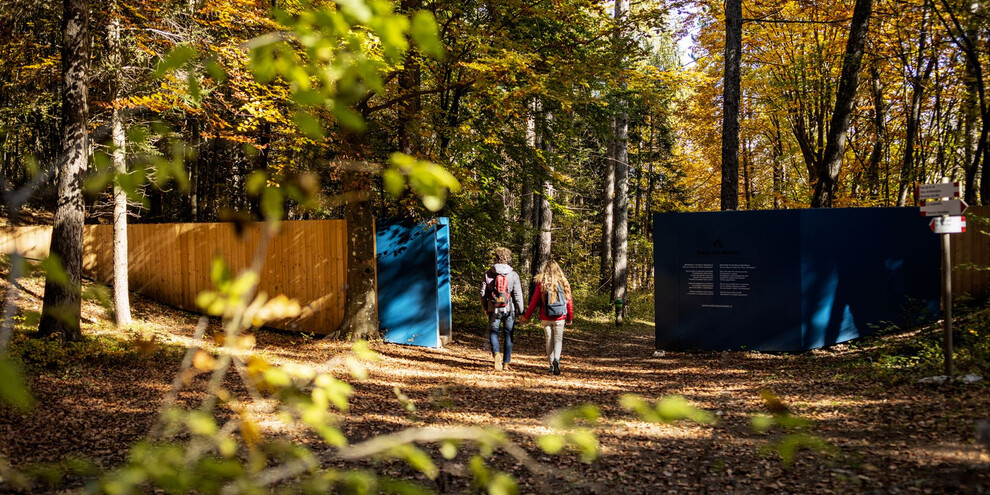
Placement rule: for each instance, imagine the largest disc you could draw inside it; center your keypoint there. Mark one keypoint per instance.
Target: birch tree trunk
(121, 288)
(62, 305)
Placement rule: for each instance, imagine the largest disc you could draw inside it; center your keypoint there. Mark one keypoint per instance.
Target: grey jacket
(511, 278)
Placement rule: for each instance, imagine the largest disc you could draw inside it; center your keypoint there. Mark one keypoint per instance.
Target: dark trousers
(495, 324)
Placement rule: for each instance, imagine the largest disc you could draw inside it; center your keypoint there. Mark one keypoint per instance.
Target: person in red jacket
(553, 295)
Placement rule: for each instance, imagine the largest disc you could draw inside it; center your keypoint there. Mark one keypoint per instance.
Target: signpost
(943, 207)
(947, 209)
(948, 225)
(936, 191)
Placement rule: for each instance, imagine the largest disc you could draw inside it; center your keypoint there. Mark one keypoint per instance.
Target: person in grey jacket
(501, 314)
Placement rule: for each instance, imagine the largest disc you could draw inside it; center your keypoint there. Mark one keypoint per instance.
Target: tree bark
(880, 130)
(620, 262)
(361, 307)
(730, 105)
(835, 145)
(121, 287)
(608, 218)
(620, 244)
(526, 208)
(545, 239)
(62, 303)
(409, 82)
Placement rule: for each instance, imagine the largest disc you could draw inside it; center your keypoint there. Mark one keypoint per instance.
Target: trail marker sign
(943, 207)
(948, 225)
(937, 191)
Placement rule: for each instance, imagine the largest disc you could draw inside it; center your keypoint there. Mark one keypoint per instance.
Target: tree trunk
(544, 241)
(620, 245)
(971, 113)
(121, 297)
(835, 144)
(361, 307)
(730, 108)
(62, 304)
(409, 82)
(194, 166)
(526, 209)
(608, 219)
(880, 130)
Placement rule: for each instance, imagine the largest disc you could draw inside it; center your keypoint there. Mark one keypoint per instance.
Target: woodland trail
(887, 436)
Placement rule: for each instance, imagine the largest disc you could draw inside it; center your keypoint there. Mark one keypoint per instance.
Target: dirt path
(888, 437)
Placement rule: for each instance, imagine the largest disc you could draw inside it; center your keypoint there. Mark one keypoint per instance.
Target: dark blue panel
(443, 278)
(407, 283)
(790, 280)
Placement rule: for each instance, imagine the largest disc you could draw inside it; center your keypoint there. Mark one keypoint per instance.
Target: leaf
(309, 125)
(550, 444)
(203, 361)
(394, 182)
(201, 423)
(424, 34)
(54, 271)
(175, 59)
(13, 387)
(349, 118)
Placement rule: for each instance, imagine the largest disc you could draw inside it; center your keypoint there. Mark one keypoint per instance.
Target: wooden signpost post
(947, 210)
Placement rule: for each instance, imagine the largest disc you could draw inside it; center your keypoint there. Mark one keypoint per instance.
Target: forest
(555, 128)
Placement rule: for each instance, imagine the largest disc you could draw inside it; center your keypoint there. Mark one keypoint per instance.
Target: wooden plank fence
(306, 261)
(972, 248)
(171, 262)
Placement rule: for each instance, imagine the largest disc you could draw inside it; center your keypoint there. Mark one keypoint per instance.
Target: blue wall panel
(792, 279)
(413, 281)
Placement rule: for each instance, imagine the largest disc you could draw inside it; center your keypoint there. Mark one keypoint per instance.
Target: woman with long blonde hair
(553, 296)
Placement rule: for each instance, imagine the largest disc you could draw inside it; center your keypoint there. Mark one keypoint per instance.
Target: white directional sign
(937, 191)
(948, 225)
(946, 207)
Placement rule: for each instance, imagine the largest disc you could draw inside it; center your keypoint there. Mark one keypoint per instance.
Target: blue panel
(790, 280)
(407, 283)
(443, 278)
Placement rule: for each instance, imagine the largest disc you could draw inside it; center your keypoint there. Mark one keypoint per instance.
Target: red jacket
(538, 300)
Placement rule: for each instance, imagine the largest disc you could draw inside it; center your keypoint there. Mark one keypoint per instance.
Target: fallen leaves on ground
(889, 438)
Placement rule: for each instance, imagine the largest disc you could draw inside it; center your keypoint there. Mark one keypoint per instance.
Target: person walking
(553, 296)
(502, 300)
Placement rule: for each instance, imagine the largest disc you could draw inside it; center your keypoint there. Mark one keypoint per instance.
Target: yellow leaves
(203, 361)
(250, 431)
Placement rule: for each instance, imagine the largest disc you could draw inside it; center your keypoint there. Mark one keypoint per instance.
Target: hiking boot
(551, 367)
(497, 358)
(505, 367)
(556, 367)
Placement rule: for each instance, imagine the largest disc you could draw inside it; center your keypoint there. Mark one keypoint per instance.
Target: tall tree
(62, 303)
(620, 127)
(608, 216)
(545, 239)
(835, 144)
(730, 105)
(968, 39)
(121, 299)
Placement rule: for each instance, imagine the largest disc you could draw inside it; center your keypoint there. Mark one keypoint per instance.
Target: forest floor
(882, 434)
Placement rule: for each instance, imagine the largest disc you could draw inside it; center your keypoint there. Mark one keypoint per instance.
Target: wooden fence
(972, 250)
(171, 262)
(307, 262)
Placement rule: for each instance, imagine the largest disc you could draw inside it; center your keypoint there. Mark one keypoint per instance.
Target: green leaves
(424, 34)
(13, 388)
(667, 410)
(429, 181)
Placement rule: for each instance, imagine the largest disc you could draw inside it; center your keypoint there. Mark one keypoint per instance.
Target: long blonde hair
(549, 278)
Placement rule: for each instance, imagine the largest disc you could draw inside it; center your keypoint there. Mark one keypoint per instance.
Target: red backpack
(498, 291)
